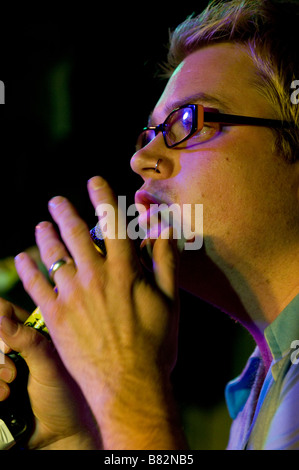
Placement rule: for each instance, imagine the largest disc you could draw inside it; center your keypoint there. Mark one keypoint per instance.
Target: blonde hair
(269, 30)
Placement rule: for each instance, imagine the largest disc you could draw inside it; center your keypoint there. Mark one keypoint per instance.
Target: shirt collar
(279, 335)
(283, 330)
(238, 390)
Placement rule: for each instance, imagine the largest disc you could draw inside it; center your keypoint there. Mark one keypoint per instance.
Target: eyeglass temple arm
(245, 120)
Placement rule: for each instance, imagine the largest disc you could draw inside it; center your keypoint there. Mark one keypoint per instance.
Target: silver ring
(157, 164)
(56, 265)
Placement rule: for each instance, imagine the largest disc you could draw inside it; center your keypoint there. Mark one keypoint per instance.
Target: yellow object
(35, 320)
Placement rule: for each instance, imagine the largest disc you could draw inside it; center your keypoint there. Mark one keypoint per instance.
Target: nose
(154, 160)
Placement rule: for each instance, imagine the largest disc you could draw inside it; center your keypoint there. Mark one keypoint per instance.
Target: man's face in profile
(235, 174)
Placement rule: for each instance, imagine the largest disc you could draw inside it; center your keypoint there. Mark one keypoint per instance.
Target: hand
(115, 330)
(62, 417)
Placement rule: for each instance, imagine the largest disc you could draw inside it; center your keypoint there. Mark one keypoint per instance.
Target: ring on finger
(58, 264)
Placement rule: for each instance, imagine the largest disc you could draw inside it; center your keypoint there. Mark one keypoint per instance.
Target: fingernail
(20, 257)
(96, 182)
(3, 392)
(9, 326)
(56, 201)
(6, 374)
(42, 226)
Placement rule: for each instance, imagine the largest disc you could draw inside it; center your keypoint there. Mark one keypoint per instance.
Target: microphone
(16, 416)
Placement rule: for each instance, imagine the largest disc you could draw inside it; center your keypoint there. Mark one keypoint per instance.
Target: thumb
(27, 341)
(166, 263)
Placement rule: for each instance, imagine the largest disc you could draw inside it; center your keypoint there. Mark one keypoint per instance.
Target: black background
(77, 92)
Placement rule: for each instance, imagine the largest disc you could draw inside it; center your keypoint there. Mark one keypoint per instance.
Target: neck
(252, 295)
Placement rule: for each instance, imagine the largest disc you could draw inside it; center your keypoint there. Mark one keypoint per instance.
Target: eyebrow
(199, 98)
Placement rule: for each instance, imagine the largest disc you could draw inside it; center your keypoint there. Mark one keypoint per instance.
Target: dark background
(77, 93)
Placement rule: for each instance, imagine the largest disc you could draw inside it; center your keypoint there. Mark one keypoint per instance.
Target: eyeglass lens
(178, 126)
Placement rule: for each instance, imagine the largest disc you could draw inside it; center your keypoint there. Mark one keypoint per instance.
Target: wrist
(79, 441)
(141, 415)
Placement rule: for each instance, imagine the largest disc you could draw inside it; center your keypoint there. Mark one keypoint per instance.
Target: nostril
(157, 165)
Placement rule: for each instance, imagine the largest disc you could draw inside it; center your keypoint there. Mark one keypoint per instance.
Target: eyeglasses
(195, 120)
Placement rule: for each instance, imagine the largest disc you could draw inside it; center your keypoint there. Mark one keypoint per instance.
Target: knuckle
(35, 338)
(5, 307)
(76, 228)
(30, 282)
(122, 278)
(50, 252)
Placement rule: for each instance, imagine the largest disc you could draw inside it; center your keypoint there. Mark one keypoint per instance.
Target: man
(114, 330)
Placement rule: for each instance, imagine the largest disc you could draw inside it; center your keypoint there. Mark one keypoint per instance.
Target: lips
(153, 213)
(146, 204)
(157, 216)
(146, 199)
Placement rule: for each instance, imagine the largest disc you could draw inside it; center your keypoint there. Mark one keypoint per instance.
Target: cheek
(222, 181)
(205, 178)
(210, 186)
(228, 176)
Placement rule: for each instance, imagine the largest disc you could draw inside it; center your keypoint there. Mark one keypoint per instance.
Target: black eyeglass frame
(200, 116)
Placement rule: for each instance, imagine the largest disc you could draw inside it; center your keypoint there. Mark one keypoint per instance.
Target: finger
(52, 249)
(4, 390)
(34, 282)
(7, 369)
(112, 220)
(39, 353)
(73, 231)
(166, 263)
(29, 342)
(12, 311)
(4, 349)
